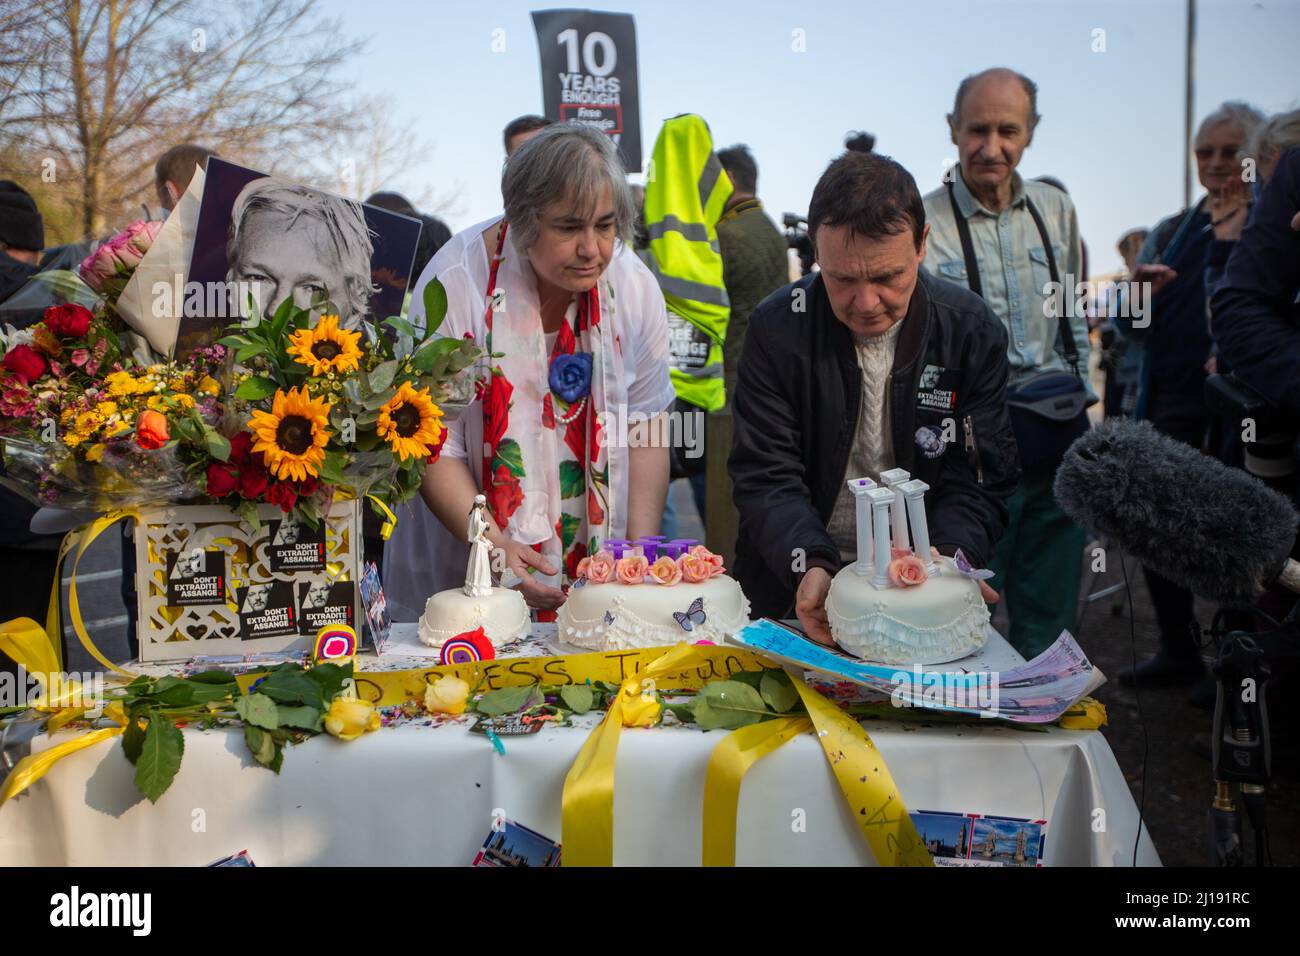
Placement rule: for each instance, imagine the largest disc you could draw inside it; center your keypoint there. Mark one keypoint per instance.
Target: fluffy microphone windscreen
(1214, 530)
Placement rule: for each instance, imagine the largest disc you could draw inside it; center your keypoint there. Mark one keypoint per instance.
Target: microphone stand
(1242, 751)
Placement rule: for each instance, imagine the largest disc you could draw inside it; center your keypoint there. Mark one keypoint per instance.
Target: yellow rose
(446, 695)
(348, 719)
(640, 709)
(209, 385)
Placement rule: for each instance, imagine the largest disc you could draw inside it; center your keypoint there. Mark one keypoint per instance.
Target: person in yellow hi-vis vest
(685, 193)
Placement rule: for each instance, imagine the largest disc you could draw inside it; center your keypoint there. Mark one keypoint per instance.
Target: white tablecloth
(428, 795)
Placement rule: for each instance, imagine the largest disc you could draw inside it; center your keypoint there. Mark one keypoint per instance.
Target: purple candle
(650, 548)
(618, 546)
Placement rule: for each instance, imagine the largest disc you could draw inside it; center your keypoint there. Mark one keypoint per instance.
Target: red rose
(496, 409)
(282, 495)
(504, 494)
(25, 362)
(239, 448)
(436, 448)
(571, 562)
(68, 321)
(252, 483)
(307, 486)
(221, 480)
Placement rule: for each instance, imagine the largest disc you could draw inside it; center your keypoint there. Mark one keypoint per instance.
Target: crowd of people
(930, 336)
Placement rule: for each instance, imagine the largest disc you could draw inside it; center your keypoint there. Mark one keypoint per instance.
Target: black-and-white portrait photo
(287, 533)
(318, 595)
(285, 240)
(256, 598)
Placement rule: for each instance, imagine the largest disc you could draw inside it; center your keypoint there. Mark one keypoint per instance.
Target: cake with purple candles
(901, 602)
(651, 592)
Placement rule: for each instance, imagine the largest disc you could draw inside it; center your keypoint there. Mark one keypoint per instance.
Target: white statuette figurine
(478, 574)
(859, 487)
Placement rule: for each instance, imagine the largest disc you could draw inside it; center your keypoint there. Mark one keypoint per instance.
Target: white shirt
(422, 558)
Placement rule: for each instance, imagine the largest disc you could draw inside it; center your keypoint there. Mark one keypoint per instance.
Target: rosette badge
(570, 376)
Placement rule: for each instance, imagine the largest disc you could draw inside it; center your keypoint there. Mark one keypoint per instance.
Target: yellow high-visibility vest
(685, 193)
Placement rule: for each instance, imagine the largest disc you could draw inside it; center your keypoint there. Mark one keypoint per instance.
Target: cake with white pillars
(900, 602)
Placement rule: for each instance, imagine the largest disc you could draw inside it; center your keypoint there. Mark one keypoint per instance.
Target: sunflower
(326, 348)
(292, 436)
(410, 423)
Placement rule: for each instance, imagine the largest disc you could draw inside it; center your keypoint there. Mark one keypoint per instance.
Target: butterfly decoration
(694, 615)
(580, 583)
(964, 566)
(609, 618)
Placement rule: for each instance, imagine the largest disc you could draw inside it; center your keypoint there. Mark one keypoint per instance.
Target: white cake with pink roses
(649, 593)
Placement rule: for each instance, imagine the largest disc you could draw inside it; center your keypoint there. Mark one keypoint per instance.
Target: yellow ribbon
(88, 536)
(860, 771)
(587, 812)
(390, 519)
(34, 766)
(866, 783)
(731, 759)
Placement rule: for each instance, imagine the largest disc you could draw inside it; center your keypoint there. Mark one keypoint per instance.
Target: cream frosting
(503, 615)
(641, 615)
(943, 619)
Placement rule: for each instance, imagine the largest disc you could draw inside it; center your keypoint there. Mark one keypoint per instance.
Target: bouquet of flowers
(82, 426)
(284, 410)
(319, 408)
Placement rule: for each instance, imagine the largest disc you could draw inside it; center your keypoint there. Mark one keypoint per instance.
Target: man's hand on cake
(521, 557)
(810, 605)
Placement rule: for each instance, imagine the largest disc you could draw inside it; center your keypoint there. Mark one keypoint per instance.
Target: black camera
(1268, 434)
(797, 238)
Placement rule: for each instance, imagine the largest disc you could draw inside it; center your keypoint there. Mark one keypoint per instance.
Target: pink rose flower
(119, 256)
(696, 569)
(907, 571)
(631, 570)
(714, 560)
(896, 553)
(581, 570)
(665, 571)
(600, 569)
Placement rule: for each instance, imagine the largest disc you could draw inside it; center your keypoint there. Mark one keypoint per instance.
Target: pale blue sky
(1112, 121)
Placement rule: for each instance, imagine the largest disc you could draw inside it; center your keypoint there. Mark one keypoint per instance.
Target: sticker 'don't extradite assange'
(267, 610)
(196, 577)
(322, 602)
(296, 546)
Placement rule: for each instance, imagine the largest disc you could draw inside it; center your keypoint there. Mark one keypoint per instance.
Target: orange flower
(151, 430)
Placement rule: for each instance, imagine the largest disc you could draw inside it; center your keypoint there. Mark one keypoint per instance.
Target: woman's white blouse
(422, 558)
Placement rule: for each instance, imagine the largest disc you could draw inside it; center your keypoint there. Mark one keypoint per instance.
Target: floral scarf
(545, 467)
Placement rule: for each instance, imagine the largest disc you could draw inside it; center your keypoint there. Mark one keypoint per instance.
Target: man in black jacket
(865, 366)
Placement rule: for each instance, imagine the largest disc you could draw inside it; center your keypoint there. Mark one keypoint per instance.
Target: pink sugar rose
(600, 567)
(631, 570)
(714, 560)
(907, 571)
(665, 571)
(696, 569)
(896, 553)
(581, 570)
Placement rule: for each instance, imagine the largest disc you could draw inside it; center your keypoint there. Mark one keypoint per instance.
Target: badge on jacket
(937, 389)
(929, 438)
